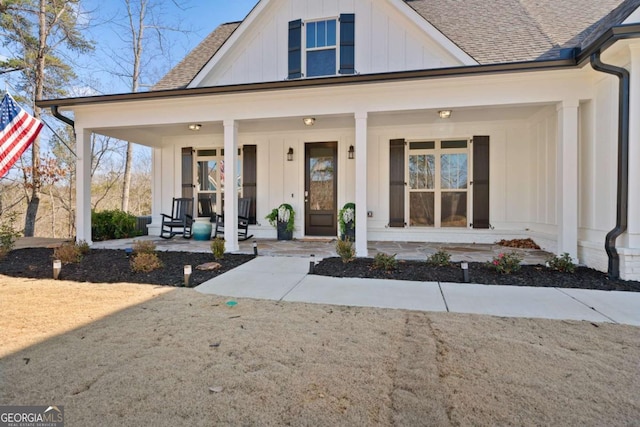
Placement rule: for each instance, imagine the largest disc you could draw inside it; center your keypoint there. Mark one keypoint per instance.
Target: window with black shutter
(249, 178)
(396, 182)
(481, 182)
(347, 43)
(295, 49)
(187, 172)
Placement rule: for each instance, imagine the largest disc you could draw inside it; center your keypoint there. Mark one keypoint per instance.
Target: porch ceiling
(153, 136)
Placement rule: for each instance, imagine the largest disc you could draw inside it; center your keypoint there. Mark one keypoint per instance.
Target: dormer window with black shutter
(324, 47)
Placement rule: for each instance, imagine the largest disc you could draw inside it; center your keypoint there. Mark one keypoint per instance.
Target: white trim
(228, 44)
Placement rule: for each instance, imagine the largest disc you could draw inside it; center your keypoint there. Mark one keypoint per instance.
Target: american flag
(18, 129)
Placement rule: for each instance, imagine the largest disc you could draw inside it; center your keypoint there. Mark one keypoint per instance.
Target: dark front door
(321, 193)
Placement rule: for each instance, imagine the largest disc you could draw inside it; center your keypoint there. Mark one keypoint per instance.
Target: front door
(320, 200)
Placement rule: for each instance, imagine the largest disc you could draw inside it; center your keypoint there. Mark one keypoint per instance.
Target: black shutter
(249, 178)
(481, 182)
(396, 183)
(295, 49)
(347, 43)
(187, 172)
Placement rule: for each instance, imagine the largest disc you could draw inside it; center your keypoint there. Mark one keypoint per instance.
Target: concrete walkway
(286, 279)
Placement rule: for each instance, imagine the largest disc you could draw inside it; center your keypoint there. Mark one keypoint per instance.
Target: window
(210, 178)
(438, 183)
(322, 48)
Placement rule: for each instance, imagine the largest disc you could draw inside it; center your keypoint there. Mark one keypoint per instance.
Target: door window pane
(453, 171)
(454, 209)
(421, 211)
(207, 175)
(321, 185)
(421, 171)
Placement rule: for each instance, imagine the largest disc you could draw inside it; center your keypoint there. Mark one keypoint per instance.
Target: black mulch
(529, 275)
(113, 266)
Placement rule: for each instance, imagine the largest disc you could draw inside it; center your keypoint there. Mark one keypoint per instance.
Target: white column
(83, 185)
(567, 178)
(361, 184)
(230, 186)
(156, 186)
(634, 149)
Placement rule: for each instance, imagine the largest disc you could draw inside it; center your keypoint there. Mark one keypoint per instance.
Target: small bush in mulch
(345, 250)
(113, 266)
(385, 262)
(506, 263)
(529, 275)
(441, 258)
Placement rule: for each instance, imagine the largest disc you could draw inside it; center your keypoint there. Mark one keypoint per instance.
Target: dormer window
(321, 52)
(321, 48)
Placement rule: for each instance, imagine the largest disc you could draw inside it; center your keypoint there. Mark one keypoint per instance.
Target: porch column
(83, 185)
(633, 225)
(361, 184)
(156, 187)
(567, 178)
(230, 186)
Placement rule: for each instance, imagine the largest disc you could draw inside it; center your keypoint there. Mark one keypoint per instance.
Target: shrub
(562, 263)
(145, 262)
(144, 247)
(8, 235)
(68, 253)
(83, 247)
(217, 247)
(112, 224)
(441, 258)
(385, 262)
(506, 263)
(345, 250)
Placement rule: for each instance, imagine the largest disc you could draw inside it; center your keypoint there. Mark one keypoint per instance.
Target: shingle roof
(182, 74)
(520, 30)
(491, 32)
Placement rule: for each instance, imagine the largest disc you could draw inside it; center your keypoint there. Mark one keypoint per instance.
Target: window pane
(207, 175)
(206, 153)
(331, 32)
(321, 34)
(423, 145)
(421, 209)
(453, 171)
(421, 171)
(321, 63)
(311, 35)
(454, 144)
(321, 186)
(454, 209)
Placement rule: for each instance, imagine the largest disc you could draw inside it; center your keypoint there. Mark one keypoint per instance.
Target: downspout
(622, 211)
(59, 116)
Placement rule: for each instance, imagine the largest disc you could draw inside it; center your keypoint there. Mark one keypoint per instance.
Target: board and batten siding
(385, 41)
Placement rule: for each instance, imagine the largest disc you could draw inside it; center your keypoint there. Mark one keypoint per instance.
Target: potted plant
(282, 218)
(347, 222)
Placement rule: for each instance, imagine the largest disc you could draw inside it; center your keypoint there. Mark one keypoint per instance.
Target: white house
(443, 121)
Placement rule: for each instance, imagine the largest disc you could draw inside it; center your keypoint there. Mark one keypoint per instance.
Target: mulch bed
(113, 266)
(529, 275)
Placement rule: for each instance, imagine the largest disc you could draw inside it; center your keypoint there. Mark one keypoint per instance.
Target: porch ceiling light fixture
(195, 126)
(309, 121)
(444, 114)
(351, 151)
(290, 154)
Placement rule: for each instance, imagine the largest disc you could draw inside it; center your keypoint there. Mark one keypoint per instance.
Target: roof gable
(450, 32)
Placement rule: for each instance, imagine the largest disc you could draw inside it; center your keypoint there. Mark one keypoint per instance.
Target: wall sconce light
(290, 154)
(195, 126)
(351, 151)
(309, 121)
(444, 114)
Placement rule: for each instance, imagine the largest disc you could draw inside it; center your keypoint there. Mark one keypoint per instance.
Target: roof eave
(312, 83)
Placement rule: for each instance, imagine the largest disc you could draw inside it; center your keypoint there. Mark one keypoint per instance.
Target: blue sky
(198, 17)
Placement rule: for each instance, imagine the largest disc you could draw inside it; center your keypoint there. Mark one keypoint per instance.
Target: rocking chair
(244, 208)
(181, 218)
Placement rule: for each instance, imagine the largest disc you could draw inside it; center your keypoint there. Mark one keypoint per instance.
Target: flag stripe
(19, 130)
